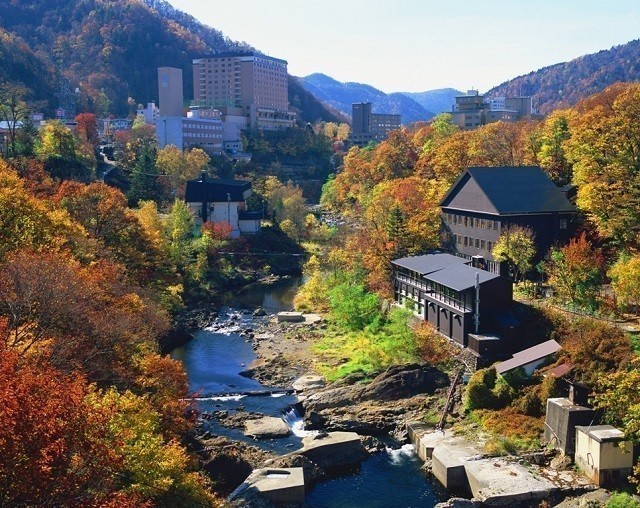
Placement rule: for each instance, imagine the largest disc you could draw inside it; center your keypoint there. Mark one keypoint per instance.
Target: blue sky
(417, 45)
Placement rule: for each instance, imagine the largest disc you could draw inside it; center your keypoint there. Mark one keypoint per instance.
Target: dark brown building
(447, 292)
(485, 201)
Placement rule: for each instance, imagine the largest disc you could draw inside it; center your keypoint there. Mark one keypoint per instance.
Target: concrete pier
(497, 482)
(333, 450)
(448, 462)
(278, 485)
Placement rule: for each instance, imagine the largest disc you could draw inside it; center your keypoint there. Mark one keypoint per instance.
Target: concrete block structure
(281, 486)
(448, 464)
(560, 423)
(603, 454)
(496, 482)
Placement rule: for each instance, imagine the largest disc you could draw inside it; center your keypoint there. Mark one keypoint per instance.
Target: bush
(622, 500)
(479, 394)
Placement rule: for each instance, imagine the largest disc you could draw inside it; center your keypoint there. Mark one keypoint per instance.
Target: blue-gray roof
(460, 277)
(515, 190)
(428, 263)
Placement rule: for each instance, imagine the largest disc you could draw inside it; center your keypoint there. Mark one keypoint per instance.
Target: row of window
(471, 222)
(467, 241)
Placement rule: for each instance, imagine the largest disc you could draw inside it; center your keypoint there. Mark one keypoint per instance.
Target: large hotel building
(248, 88)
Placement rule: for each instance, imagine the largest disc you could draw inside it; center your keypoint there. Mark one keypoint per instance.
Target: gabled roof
(528, 356)
(428, 263)
(215, 191)
(514, 190)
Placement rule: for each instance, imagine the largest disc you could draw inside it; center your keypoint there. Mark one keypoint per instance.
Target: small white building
(150, 113)
(223, 201)
(603, 454)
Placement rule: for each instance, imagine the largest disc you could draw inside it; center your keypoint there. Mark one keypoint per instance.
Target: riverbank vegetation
(388, 195)
(92, 276)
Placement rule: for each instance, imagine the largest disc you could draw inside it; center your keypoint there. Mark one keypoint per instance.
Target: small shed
(529, 359)
(603, 454)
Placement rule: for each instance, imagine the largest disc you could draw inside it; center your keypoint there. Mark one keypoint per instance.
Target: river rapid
(213, 361)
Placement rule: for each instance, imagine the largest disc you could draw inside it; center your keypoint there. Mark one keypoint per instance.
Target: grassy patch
(369, 351)
(509, 430)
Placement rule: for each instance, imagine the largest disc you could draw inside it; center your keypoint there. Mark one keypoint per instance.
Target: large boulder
(308, 382)
(333, 397)
(403, 381)
(267, 427)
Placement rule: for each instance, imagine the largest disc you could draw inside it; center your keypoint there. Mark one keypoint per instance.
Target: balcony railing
(433, 294)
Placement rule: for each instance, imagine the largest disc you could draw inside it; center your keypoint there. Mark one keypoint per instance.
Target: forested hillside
(109, 50)
(564, 84)
(438, 101)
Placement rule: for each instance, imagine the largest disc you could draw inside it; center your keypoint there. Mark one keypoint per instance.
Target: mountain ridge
(340, 95)
(110, 50)
(564, 84)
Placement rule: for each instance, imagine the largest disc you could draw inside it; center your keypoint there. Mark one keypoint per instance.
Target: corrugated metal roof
(516, 190)
(460, 277)
(560, 370)
(428, 263)
(529, 355)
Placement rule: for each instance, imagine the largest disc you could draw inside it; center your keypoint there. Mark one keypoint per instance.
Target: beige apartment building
(170, 91)
(246, 87)
(473, 110)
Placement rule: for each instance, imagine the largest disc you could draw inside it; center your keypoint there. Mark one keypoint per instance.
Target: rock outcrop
(267, 427)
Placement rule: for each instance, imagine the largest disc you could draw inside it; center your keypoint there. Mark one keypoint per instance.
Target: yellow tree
(625, 280)
(605, 152)
(180, 166)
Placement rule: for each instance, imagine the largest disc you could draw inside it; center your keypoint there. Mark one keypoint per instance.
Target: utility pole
(476, 317)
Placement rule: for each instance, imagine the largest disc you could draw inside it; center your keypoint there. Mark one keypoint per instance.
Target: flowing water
(213, 361)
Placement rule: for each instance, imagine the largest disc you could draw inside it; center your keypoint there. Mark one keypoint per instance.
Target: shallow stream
(213, 361)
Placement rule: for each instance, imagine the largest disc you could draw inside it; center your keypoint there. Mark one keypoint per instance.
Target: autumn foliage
(90, 413)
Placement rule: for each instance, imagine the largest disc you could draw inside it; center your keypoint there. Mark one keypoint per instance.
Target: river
(213, 361)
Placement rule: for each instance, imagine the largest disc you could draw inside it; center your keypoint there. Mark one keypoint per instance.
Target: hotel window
(489, 246)
(466, 219)
(564, 224)
(466, 241)
(482, 244)
(477, 243)
(495, 225)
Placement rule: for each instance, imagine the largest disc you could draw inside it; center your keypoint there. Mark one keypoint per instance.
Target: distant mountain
(110, 50)
(438, 101)
(342, 95)
(564, 84)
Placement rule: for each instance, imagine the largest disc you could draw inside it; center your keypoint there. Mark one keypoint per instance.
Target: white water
(296, 424)
(400, 454)
(222, 398)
